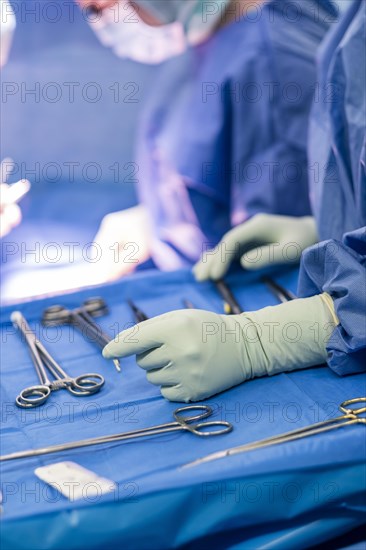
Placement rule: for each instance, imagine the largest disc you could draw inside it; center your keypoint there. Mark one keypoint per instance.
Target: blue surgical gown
(224, 135)
(337, 156)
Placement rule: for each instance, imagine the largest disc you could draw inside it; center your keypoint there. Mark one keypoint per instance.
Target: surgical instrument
(278, 291)
(231, 303)
(83, 385)
(94, 307)
(139, 315)
(82, 318)
(350, 417)
(193, 424)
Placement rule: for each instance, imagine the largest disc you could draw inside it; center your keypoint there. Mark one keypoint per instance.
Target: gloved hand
(10, 195)
(195, 354)
(122, 242)
(260, 242)
(10, 213)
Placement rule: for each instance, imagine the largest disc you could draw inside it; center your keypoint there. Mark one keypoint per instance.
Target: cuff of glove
(289, 336)
(328, 301)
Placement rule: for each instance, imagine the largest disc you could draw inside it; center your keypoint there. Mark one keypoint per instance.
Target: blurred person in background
(223, 136)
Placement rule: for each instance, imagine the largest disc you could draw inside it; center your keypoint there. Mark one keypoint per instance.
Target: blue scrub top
(337, 150)
(224, 135)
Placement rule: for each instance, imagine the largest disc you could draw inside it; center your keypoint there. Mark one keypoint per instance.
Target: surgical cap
(169, 11)
(166, 11)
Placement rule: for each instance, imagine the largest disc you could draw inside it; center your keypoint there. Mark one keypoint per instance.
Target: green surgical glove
(194, 354)
(260, 242)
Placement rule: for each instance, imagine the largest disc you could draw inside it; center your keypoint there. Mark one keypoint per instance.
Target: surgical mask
(125, 32)
(7, 27)
(129, 37)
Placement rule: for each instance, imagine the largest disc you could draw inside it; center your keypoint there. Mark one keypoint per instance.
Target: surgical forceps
(193, 424)
(232, 307)
(278, 291)
(81, 318)
(34, 396)
(350, 417)
(139, 315)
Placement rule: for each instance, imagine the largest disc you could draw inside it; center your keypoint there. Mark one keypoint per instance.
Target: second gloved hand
(262, 241)
(195, 354)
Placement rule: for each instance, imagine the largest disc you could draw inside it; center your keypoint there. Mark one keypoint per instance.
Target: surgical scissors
(349, 417)
(82, 318)
(34, 396)
(193, 424)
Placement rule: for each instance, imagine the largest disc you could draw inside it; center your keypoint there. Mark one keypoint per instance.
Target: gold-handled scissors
(350, 417)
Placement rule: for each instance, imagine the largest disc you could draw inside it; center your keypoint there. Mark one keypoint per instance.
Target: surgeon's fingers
(264, 256)
(220, 267)
(175, 393)
(215, 264)
(209, 262)
(136, 340)
(163, 377)
(201, 269)
(155, 358)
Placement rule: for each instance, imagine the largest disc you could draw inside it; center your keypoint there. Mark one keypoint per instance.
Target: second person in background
(223, 136)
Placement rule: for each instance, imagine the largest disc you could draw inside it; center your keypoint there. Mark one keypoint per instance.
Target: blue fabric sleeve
(339, 268)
